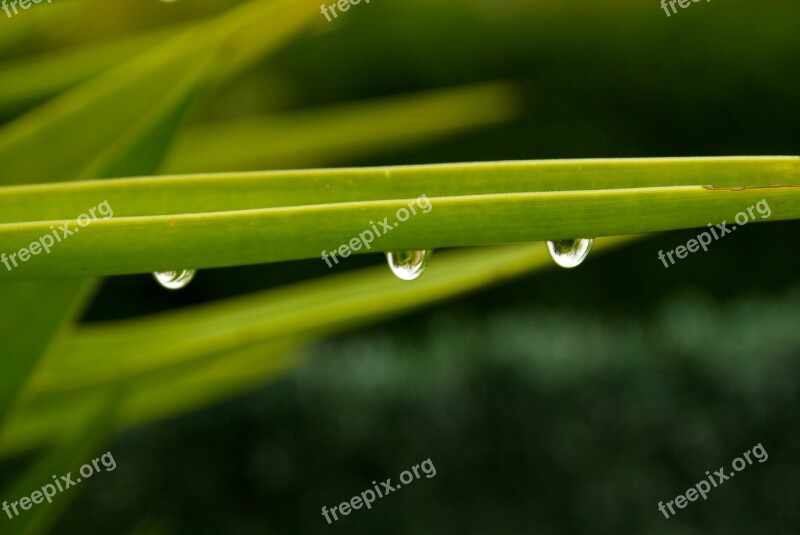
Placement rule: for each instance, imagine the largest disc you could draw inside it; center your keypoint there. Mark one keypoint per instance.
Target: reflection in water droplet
(174, 280)
(570, 253)
(408, 265)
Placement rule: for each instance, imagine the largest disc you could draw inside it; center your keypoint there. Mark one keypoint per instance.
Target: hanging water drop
(408, 265)
(174, 280)
(570, 253)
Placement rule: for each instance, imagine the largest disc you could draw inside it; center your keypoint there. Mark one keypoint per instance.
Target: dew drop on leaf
(570, 253)
(408, 265)
(174, 280)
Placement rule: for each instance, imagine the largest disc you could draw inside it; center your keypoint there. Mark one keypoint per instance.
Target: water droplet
(408, 265)
(174, 280)
(570, 253)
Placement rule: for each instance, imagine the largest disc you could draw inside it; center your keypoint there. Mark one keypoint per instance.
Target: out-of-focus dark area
(569, 401)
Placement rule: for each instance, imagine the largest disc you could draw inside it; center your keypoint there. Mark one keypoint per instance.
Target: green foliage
(545, 414)
(107, 94)
(226, 220)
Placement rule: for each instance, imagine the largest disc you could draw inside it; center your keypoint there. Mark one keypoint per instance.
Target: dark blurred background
(564, 402)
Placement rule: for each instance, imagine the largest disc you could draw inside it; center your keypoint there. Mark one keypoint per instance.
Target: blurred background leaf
(85, 437)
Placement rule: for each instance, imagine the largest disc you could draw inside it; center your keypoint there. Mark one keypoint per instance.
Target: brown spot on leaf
(743, 188)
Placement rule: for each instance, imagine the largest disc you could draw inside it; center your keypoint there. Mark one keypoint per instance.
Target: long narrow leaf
(340, 133)
(79, 446)
(179, 360)
(467, 205)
